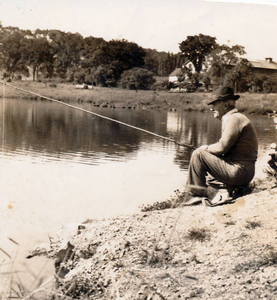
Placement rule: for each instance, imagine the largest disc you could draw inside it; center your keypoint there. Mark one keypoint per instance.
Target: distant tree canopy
(57, 54)
(48, 54)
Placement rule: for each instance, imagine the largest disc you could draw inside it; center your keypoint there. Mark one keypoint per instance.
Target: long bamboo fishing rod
(98, 115)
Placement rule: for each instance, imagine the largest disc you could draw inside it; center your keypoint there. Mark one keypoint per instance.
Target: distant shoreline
(253, 103)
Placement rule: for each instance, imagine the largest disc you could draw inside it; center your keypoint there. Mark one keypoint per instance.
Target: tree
(106, 61)
(151, 62)
(11, 54)
(162, 63)
(124, 55)
(40, 55)
(68, 48)
(196, 48)
(120, 55)
(136, 79)
(91, 51)
(240, 75)
(221, 60)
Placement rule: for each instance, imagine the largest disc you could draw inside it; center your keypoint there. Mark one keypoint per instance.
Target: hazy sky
(156, 24)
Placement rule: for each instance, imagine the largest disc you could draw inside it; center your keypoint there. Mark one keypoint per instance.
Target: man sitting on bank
(230, 162)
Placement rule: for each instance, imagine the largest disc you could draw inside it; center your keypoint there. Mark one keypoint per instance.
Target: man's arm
(231, 130)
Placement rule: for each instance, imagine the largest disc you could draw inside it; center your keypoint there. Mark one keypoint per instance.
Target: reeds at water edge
(23, 284)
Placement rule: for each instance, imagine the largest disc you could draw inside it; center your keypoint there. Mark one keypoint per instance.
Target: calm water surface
(59, 165)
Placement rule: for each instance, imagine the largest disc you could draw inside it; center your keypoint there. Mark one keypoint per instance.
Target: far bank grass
(119, 98)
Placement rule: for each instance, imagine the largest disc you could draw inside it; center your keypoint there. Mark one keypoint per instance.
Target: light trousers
(224, 170)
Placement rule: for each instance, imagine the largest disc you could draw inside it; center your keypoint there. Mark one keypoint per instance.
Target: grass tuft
(230, 223)
(268, 259)
(196, 292)
(27, 286)
(252, 224)
(175, 201)
(271, 257)
(198, 234)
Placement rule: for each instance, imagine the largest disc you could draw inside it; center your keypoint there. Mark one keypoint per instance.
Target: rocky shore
(196, 252)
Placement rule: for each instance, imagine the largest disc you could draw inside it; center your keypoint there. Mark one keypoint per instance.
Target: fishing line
(100, 116)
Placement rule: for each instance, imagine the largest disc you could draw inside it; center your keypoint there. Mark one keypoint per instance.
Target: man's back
(246, 146)
(239, 140)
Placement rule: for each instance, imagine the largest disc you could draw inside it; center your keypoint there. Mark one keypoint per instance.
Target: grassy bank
(118, 98)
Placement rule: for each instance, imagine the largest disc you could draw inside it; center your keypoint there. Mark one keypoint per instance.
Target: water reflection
(43, 128)
(55, 132)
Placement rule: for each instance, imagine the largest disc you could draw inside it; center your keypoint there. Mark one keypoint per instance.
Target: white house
(173, 77)
(187, 66)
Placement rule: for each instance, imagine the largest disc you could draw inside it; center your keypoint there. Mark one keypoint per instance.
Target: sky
(155, 24)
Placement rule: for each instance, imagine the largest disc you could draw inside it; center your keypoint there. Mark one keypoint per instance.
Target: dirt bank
(224, 252)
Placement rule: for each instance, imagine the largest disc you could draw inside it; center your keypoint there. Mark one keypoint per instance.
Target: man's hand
(204, 147)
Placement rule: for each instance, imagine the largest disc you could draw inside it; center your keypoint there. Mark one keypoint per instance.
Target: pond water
(59, 165)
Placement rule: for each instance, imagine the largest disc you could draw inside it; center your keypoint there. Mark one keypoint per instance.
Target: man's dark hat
(223, 93)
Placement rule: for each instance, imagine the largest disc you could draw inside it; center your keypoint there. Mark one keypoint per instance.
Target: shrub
(136, 79)
(161, 85)
(104, 75)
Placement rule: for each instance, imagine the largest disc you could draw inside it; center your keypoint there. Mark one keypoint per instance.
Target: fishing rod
(100, 116)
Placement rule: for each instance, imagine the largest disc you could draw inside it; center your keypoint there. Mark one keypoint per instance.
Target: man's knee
(199, 153)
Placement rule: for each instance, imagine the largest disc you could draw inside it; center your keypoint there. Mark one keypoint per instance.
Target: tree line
(69, 56)
(54, 54)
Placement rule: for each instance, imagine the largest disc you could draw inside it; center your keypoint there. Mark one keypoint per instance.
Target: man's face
(219, 109)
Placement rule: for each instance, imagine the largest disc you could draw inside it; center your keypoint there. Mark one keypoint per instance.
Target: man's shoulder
(238, 115)
(237, 118)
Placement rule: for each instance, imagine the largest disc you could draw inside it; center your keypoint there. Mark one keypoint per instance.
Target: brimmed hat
(223, 93)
